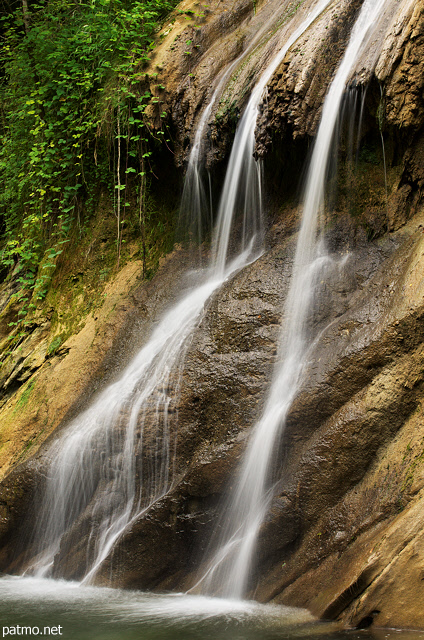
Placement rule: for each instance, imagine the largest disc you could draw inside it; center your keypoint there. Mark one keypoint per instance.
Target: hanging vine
(70, 69)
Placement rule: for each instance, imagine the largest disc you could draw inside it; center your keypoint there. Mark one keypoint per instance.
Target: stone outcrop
(344, 534)
(344, 531)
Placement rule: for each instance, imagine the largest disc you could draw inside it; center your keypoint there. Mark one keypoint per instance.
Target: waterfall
(100, 475)
(195, 201)
(116, 459)
(243, 180)
(228, 571)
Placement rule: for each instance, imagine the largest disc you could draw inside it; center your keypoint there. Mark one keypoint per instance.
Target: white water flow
(242, 188)
(228, 572)
(116, 459)
(195, 201)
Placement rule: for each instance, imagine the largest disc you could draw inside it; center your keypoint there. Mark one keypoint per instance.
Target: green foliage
(369, 155)
(72, 118)
(54, 345)
(23, 400)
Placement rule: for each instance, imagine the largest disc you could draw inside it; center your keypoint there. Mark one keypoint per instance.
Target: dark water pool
(31, 607)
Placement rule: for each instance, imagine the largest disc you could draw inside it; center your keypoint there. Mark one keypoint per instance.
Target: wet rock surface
(347, 483)
(344, 534)
(349, 462)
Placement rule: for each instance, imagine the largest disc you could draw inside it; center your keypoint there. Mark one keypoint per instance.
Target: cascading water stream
(100, 456)
(95, 464)
(195, 200)
(243, 180)
(228, 571)
(99, 478)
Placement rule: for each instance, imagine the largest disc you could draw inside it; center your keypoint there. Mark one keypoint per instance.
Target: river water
(73, 612)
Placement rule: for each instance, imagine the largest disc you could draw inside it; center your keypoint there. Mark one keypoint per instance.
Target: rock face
(356, 478)
(344, 534)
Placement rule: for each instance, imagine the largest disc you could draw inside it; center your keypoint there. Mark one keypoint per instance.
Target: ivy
(72, 117)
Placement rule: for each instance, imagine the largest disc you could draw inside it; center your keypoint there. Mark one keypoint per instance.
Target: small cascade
(196, 199)
(116, 459)
(230, 567)
(380, 114)
(352, 116)
(242, 190)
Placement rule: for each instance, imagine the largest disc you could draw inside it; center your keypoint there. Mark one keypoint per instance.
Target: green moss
(410, 470)
(369, 155)
(25, 395)
(84, 268)
(54, 345)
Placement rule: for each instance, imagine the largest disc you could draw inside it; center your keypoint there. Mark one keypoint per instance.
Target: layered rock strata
(343, 537)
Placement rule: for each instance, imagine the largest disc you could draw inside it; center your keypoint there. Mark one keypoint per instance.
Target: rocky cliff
(344, 535)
